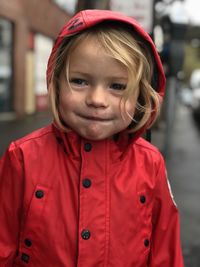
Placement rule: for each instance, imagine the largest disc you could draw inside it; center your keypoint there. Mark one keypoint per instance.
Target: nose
(97, 97)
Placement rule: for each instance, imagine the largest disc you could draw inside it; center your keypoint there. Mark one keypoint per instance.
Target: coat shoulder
(39, 133)
(144, 146)
(37, 136)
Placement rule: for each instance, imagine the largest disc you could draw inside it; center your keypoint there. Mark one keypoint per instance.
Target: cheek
(65, 101)
(128, 108)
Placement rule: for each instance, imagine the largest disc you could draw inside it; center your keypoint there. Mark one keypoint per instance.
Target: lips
(94, 118)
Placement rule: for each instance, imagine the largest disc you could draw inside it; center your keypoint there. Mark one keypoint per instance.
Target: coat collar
(116, 146)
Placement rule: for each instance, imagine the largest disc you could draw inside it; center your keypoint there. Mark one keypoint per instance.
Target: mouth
(94, 118)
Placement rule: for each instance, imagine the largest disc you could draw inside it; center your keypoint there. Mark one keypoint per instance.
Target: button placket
(92, 212)
(86, 183)
(85, 234)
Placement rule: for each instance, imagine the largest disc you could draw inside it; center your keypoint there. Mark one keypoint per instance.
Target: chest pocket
(37, 203)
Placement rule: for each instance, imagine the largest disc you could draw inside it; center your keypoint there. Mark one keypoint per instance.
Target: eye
(118, 86)
(78, 81)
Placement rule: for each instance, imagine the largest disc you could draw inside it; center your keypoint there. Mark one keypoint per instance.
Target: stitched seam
(84, 16)
(107, 206)
(155, 150)
(31, 138)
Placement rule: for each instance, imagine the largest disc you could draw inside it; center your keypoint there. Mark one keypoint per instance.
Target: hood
(88, 18)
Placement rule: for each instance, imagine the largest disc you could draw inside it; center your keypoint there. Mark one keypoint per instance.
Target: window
(6, 40)
(67, 5)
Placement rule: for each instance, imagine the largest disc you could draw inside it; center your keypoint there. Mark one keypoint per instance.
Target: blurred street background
(27, 31)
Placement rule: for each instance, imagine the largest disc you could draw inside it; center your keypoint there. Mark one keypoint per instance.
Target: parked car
(195, 79)
(186, 96)
(195, 86)
(196, 103)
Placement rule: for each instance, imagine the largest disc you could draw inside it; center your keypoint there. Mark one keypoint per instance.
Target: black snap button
(39, 194)
(86, 183)
(142, 199)
(85, 234)
(25, 257)
(87, 147)
(146, 242)
(28, 242)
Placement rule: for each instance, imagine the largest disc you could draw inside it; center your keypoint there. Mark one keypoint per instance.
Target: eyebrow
(90, 76)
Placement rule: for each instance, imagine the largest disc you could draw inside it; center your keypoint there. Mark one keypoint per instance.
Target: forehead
(87, 46)
(113, 42)
(87, 42)
(90, 55)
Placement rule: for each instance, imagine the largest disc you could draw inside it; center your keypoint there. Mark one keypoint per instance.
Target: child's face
(91, 107)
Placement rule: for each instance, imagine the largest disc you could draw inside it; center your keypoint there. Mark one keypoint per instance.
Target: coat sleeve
(11, 197)
(165, 244)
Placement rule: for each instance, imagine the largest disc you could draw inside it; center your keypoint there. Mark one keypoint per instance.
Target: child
(87, 190)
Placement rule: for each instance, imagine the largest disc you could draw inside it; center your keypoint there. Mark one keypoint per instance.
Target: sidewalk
(13, 128)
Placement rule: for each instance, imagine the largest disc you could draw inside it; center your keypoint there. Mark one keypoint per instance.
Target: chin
(95, 137)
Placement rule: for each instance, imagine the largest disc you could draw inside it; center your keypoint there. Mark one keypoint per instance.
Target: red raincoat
(66, 201)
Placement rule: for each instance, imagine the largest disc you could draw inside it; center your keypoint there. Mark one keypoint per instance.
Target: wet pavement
(183, 165)
(12, 129)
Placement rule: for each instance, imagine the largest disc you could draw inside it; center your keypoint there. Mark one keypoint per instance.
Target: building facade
(27, 31)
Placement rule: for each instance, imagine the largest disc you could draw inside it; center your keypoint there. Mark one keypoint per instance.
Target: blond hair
(129, 50)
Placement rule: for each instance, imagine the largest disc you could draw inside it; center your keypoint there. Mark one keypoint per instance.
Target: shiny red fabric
(45, 204)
